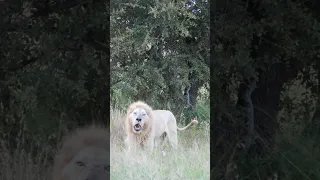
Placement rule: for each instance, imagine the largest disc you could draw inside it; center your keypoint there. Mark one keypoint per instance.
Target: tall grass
(296, 158)
(20, 164)
(192, 160)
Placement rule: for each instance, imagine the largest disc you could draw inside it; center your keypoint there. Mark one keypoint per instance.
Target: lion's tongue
(137, 127)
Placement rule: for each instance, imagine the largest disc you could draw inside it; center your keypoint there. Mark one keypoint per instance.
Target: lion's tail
(194, 121)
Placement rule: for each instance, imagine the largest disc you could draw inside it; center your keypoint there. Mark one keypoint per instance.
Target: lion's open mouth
(137, 127)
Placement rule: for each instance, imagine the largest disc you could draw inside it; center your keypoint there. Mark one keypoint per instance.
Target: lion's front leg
(131, 144)
(150, 143)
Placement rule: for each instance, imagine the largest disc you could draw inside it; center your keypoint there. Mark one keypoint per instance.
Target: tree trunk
(245, 103)
(191, 93)
(266, 100)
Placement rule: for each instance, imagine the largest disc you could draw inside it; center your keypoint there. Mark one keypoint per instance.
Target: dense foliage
(262, 53)
(54, 68)
(159, 52)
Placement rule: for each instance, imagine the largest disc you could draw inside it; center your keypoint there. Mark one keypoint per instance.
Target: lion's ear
(150, 110)
(131, 109)
(67, 160)
(63, 159)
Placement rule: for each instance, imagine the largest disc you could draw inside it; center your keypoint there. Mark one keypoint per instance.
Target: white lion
(146, 127)
(84, 155)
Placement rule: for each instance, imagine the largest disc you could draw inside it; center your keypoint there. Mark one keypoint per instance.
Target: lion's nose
(138, 119)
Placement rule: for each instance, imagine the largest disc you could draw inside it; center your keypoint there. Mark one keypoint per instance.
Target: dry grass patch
(192, 160)
(19, 165)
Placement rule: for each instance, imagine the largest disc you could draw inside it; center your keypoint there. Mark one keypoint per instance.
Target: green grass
(192, 160)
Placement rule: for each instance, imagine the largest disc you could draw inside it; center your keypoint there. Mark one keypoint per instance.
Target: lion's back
(163, 119)
(162, 115)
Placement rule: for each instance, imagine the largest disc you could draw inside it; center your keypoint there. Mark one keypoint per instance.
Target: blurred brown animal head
(84, 155)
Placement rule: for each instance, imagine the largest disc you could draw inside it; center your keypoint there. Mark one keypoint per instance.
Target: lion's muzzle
(137, 127)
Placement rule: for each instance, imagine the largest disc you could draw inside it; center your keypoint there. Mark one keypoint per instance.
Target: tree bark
(245, 103)
(266, 100)
(191, 93)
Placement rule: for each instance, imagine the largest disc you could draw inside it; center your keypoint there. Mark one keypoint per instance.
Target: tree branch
(250, 110)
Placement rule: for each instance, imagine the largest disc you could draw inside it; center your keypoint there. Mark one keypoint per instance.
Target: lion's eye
(143, 114)
(80, 163)
(135, 113)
